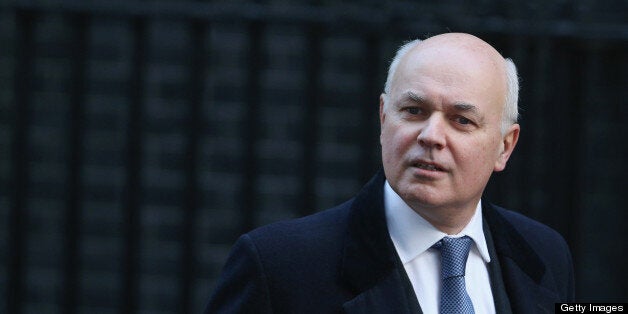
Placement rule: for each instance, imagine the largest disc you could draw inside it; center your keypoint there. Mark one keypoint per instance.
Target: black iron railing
(531, 43)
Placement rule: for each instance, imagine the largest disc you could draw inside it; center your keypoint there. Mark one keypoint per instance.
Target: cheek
(403, 143)
(476, 156)
(483, 158)
(395, 141)
(395, 138)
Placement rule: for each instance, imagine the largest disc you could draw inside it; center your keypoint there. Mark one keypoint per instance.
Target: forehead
(452, 75)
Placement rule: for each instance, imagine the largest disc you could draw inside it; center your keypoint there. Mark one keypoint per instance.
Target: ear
(382, 114)
(509, 141)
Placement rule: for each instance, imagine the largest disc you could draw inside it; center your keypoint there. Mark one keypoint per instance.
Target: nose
(432, 133)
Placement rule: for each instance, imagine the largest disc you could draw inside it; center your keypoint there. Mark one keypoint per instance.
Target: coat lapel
(522, 269)
(388, 295)
(500, 298)
(370, 266)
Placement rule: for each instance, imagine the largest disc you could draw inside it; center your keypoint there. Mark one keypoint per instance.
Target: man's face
(440, 127)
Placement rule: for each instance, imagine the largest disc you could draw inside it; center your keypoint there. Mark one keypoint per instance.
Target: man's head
(448, 120)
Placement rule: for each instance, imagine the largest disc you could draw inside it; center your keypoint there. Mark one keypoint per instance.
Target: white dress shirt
(413, 237)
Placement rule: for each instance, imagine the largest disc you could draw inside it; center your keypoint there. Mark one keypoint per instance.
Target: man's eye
(413, 110)
(463, 120)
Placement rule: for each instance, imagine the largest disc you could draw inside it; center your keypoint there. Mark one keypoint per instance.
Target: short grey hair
(511, 108)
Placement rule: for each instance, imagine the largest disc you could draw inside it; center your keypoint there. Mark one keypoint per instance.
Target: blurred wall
(138, 139)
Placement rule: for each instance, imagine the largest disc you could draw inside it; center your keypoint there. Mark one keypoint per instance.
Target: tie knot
(454, 253)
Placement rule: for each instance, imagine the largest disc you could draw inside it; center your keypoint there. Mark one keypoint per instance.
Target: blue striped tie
(454, 252)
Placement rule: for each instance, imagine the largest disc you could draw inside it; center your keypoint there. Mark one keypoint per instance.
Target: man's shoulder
(536, 248)
(543, 238)
(270, 266)
(525, 224)
(326, 225)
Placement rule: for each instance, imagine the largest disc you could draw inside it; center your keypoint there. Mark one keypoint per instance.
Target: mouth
(428, 166)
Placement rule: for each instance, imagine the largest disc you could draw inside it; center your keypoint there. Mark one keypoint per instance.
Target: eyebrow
(466, 108)
(463, 107)
(414, 97)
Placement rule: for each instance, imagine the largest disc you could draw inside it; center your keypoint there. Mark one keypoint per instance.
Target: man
(417, 238)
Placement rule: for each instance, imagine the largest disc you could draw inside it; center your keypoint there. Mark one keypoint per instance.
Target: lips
(431, 166)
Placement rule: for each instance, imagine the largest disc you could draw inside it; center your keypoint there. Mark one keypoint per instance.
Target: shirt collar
(413, 235)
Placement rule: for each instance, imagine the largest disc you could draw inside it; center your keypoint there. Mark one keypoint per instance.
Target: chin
(420, 196)
(427, 203)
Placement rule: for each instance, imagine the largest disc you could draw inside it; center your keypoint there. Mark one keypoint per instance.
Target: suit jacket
(342, 260)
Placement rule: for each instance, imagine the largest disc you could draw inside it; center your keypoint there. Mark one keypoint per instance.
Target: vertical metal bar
(565, 101)
(310, 122)
(616, 55)
(577, 97)
(75, 161)
(251, 126)
(18, 215)
(196, 84)
(372, 89)
(536, 178)
(569, 155)
(131, 227)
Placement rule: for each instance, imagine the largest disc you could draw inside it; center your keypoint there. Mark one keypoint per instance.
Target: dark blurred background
(138, 139)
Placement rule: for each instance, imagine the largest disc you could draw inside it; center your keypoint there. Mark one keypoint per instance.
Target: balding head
(456, 50)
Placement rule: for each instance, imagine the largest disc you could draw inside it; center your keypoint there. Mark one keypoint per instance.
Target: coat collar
(370, 264)
(510, 244)
(369, 254)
